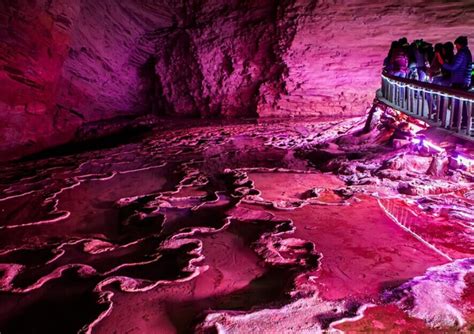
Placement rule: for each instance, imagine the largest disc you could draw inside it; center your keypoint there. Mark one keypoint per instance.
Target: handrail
(432, 87)
(439, 106)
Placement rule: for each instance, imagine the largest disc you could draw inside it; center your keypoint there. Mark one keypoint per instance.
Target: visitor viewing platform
(438, 106)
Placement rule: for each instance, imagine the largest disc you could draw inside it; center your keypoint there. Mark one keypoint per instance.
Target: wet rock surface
(268, 227)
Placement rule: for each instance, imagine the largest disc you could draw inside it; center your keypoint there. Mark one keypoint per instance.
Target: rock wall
(334, 61)
(65, 63)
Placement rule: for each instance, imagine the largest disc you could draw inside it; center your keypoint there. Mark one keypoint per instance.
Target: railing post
(422, 108)
(395, 95)
(389, 87)
(418, 105)
(469, 118)
(400, 95)
(460, 105)
(438, 106)
(415, 101)
(399, 100)
(451, 114)
(444, 113)
(384, 87)
(389, 90)
(405, 97)
(429, 100)
(410, 99)
(392, 92)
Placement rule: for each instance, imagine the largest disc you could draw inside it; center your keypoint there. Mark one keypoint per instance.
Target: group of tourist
(438, 65)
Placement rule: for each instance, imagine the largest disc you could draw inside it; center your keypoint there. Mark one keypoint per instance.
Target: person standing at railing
(387, 62)
(418, 60)
(460, 70)
(436, 63)
(398, 64)
(461, 67)
(447, 56)
(448, 52)
(435, 75)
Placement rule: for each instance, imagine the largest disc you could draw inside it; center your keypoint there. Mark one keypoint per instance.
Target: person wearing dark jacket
(461, 66)
(387, 61)
(461, 69)
(448, 52)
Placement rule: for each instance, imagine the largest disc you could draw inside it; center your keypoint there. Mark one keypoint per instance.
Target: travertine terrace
(300, 226)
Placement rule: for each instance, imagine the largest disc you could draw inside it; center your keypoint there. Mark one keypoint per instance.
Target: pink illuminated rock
(66, 64)
(234, 227)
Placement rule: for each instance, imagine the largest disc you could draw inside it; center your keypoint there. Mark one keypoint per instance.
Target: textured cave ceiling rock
(65, 63)
(335, 58)
(214, 61)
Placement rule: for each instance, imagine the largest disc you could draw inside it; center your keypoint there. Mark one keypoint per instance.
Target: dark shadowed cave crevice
(180, 82)
(180, 75)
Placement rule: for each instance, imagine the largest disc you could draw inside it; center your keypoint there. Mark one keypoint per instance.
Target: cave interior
(226, 166)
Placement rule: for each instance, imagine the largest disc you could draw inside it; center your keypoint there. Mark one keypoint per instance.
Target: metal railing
(438, 106)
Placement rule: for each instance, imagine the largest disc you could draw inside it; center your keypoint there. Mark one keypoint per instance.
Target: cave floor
(267, 227)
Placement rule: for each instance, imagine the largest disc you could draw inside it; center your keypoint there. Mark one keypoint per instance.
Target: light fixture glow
(462, 160)
(423, 142)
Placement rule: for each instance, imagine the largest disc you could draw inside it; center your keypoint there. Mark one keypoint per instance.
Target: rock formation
(64, 64)
(234, 228)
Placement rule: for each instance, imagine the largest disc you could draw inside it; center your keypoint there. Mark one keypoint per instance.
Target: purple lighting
(461, 160)
(421, 141)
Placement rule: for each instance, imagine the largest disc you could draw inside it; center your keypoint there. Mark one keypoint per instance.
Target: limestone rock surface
(66, 63)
